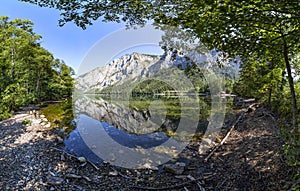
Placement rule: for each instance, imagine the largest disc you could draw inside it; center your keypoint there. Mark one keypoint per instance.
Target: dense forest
(29, 73)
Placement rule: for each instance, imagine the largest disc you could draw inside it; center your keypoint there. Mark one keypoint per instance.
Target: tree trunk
(282, 83)
(37, 87)
(269, 97)
(271, 86)
(13, 65)
(291, 84)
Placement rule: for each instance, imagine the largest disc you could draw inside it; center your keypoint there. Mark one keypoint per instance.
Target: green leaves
(26, 69)
(84, 12)
(257, 30)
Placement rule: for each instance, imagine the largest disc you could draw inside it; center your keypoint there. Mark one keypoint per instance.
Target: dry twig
(167, 187)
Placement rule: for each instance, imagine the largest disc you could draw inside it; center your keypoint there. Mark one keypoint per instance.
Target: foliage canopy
(28, 72)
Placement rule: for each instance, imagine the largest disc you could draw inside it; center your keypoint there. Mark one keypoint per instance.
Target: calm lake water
(121, 129)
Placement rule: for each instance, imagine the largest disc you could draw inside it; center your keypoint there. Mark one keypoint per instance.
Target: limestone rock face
(129, 66)
(135, 66)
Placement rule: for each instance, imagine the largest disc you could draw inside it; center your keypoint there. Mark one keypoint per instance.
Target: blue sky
(120, 42)
(69, 43)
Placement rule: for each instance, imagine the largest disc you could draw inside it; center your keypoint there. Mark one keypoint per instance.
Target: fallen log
(229, 132)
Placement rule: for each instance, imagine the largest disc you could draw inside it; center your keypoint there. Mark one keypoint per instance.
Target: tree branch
(167, 187)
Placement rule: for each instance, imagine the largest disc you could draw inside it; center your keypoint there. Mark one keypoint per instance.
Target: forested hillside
(28, 72)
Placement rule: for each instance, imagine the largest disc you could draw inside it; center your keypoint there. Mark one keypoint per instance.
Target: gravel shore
(31, 158)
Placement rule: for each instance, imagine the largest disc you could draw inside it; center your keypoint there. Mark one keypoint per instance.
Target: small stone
(36, 121)
(81, 159)
(54, 180)
(52, 189)
(59, 140)
(45, 119)
(48, 125)
(206, 141)
(93, 147)
(148, 166)
(113, 173)
(42, 116)
(62, 157)
(177, 168)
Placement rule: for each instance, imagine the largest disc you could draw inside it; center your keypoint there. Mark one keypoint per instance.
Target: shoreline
(250, 158)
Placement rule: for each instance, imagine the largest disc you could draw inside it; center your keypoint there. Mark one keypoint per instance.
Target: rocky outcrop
(128, 67)
(134, 67)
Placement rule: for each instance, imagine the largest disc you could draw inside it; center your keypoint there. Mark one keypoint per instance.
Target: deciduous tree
(263, 30)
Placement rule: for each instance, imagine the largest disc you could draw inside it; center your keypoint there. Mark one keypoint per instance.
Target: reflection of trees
(61, 114)
(131, 121)
(144, 114)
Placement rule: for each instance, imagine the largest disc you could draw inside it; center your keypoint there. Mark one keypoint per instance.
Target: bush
(4, 115)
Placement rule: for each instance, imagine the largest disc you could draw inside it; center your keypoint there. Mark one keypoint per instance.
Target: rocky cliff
(133, 67)
(130, 66)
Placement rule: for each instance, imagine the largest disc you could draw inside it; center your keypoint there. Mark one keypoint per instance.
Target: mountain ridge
(128, 67)
(172, 67)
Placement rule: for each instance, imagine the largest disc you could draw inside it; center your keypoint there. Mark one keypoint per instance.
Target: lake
(140, 131)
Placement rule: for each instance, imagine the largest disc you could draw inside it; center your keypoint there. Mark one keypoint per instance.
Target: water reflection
(132, 133)
(143, 115)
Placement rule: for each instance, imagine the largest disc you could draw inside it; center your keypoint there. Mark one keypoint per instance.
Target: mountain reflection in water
(137, 124)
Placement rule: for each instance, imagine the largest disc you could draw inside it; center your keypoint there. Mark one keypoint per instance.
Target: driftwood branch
(123, 175)
(167, 187)
(231, 129)
(224, 139)
(198, 183)
(75, 157)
